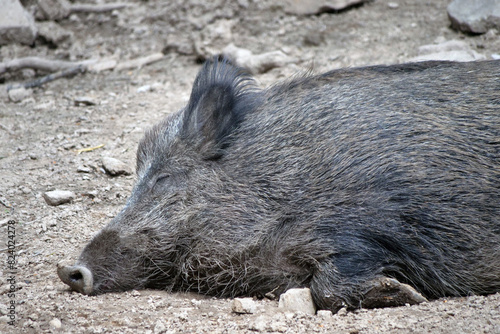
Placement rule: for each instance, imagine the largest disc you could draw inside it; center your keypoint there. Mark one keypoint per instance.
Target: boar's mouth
(79, 278)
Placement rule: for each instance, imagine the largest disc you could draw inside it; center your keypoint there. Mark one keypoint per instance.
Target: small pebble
(3, 309)
(326, 314)
(115, 167)
(19, 94)
(342, 312)
(83, 169)
(159, 327)
(84, 101)
(55, 323)
(243, 306)
(258, 325)
(58, 197)
(143, 89)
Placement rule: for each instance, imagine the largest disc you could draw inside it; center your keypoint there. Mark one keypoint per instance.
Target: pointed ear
(222, 95)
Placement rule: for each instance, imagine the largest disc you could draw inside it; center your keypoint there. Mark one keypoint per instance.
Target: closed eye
(164, 182)
(162, 178)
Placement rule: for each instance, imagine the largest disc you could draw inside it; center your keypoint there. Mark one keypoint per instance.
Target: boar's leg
(385, 291)
(78, 278)
(331, 292)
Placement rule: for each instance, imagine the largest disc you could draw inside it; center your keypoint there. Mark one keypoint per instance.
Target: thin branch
(37, 63)
(89, 149)
(67, 68)
(139, 62)
(50, 77)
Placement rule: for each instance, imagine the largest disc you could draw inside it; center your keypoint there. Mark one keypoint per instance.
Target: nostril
(76, 276)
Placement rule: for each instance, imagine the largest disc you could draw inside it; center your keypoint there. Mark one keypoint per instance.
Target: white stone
(55, 323)
(243, 305)
(159, 327)
(19, 94)
(325, 314)
(115, 167)
(16, 24)
(57, 197)
(53, 32)
(297, 300)
(256, 63)
(452, 50)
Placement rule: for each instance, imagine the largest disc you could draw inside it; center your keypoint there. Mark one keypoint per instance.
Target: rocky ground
(42, 136)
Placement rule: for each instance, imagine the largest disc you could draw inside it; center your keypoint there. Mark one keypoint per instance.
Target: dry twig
(68, 68)
(37, 63)
(89, 149)
(139, 62)
(51, 77)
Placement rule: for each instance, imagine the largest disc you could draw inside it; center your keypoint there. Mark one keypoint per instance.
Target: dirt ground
(40, 135)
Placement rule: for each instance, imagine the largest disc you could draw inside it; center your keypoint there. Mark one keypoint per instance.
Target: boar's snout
(79, 278)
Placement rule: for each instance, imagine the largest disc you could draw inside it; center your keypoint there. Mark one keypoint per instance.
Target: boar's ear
(222, 94)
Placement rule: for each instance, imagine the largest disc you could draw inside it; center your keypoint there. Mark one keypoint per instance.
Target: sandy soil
(39, 137)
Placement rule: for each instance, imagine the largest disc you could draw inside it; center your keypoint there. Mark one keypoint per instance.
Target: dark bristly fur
(335, 182)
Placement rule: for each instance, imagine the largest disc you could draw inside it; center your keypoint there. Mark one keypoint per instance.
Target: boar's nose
(79, 278)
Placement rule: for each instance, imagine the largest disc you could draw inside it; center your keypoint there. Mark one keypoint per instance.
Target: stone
(16, 24)
(84, 101)
(256, 63)
(180, 47)
(19, 94)
(312, 7)
(54, 9)
(325, 314)
(452, 50)
(443, 46)
(143, 89)
(297, 300)
(115, 167)
(314, 38)
(53, 32)
(58, 197)
(342, 312)
(277, 326)
(476, 16)
(259, 324)
(83, 169)
(243, 306)
(159, 327)
(55, 323)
